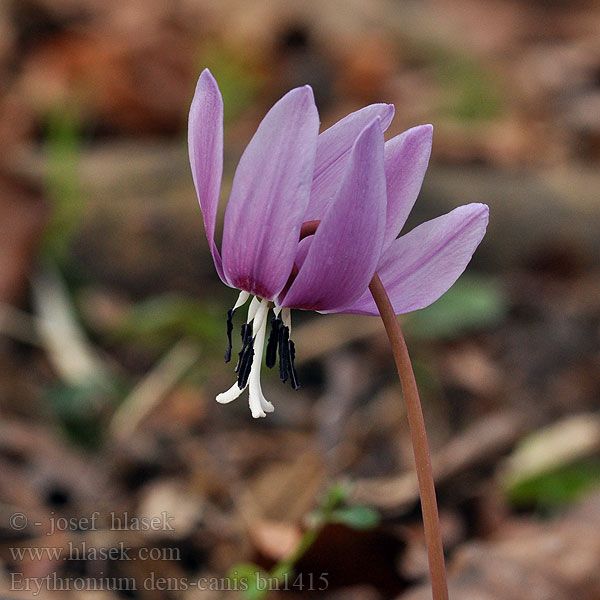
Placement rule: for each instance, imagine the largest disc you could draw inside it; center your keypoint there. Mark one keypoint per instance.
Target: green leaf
(471, 303)
(336, 495)
(472, 93)
(79, 409)
(239, 79)
(281, 570)
(161, 320)
(557, 488)
(246, 577)
(62, 148)
(356, 517)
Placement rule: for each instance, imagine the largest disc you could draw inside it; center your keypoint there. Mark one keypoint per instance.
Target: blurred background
(112, 318)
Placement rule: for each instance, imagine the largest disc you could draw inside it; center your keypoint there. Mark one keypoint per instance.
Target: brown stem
(431, 520)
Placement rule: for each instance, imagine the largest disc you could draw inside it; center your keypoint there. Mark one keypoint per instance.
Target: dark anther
(292, 369)
(284, 353)
(246, 333)
(246, 337)
(245, 363)
(271, 355)
(229, 330)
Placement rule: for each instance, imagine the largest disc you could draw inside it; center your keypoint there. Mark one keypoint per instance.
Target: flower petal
(269, 196)
(205, 142)
(333, 152)
(423, 264)
(406, 159)
(302, 251)
(345, 249)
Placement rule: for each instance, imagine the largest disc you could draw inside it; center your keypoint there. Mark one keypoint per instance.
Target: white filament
(234, 391)
(242, 299)
(231, 394)
(253, 309)
(259, 405)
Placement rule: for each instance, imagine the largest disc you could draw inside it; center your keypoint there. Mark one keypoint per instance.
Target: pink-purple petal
(345, 250)
(423, 264)
(269, 196)
(302, 251)
(333, 152)
(406, 159)
(205, 142)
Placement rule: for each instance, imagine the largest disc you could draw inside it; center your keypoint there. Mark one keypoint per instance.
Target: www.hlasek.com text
(83, 551)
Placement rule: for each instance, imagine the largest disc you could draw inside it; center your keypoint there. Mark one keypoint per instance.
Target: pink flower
(358, 186)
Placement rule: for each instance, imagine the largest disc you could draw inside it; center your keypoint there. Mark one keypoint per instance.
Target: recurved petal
(423, 264)
(205, 142)
(406, 159)
(269, 196)
(302, 251)
(333, 152)
(344, 252)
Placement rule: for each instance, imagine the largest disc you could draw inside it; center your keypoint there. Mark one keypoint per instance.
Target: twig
(483, 441)
(153, 388)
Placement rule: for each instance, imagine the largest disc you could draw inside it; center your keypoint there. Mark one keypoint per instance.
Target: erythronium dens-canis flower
(359, 188)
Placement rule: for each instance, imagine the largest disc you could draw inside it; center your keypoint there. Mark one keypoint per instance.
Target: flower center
(253, 335)
(253, 343)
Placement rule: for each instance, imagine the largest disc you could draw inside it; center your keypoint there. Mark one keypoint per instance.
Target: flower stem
(431, 520)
